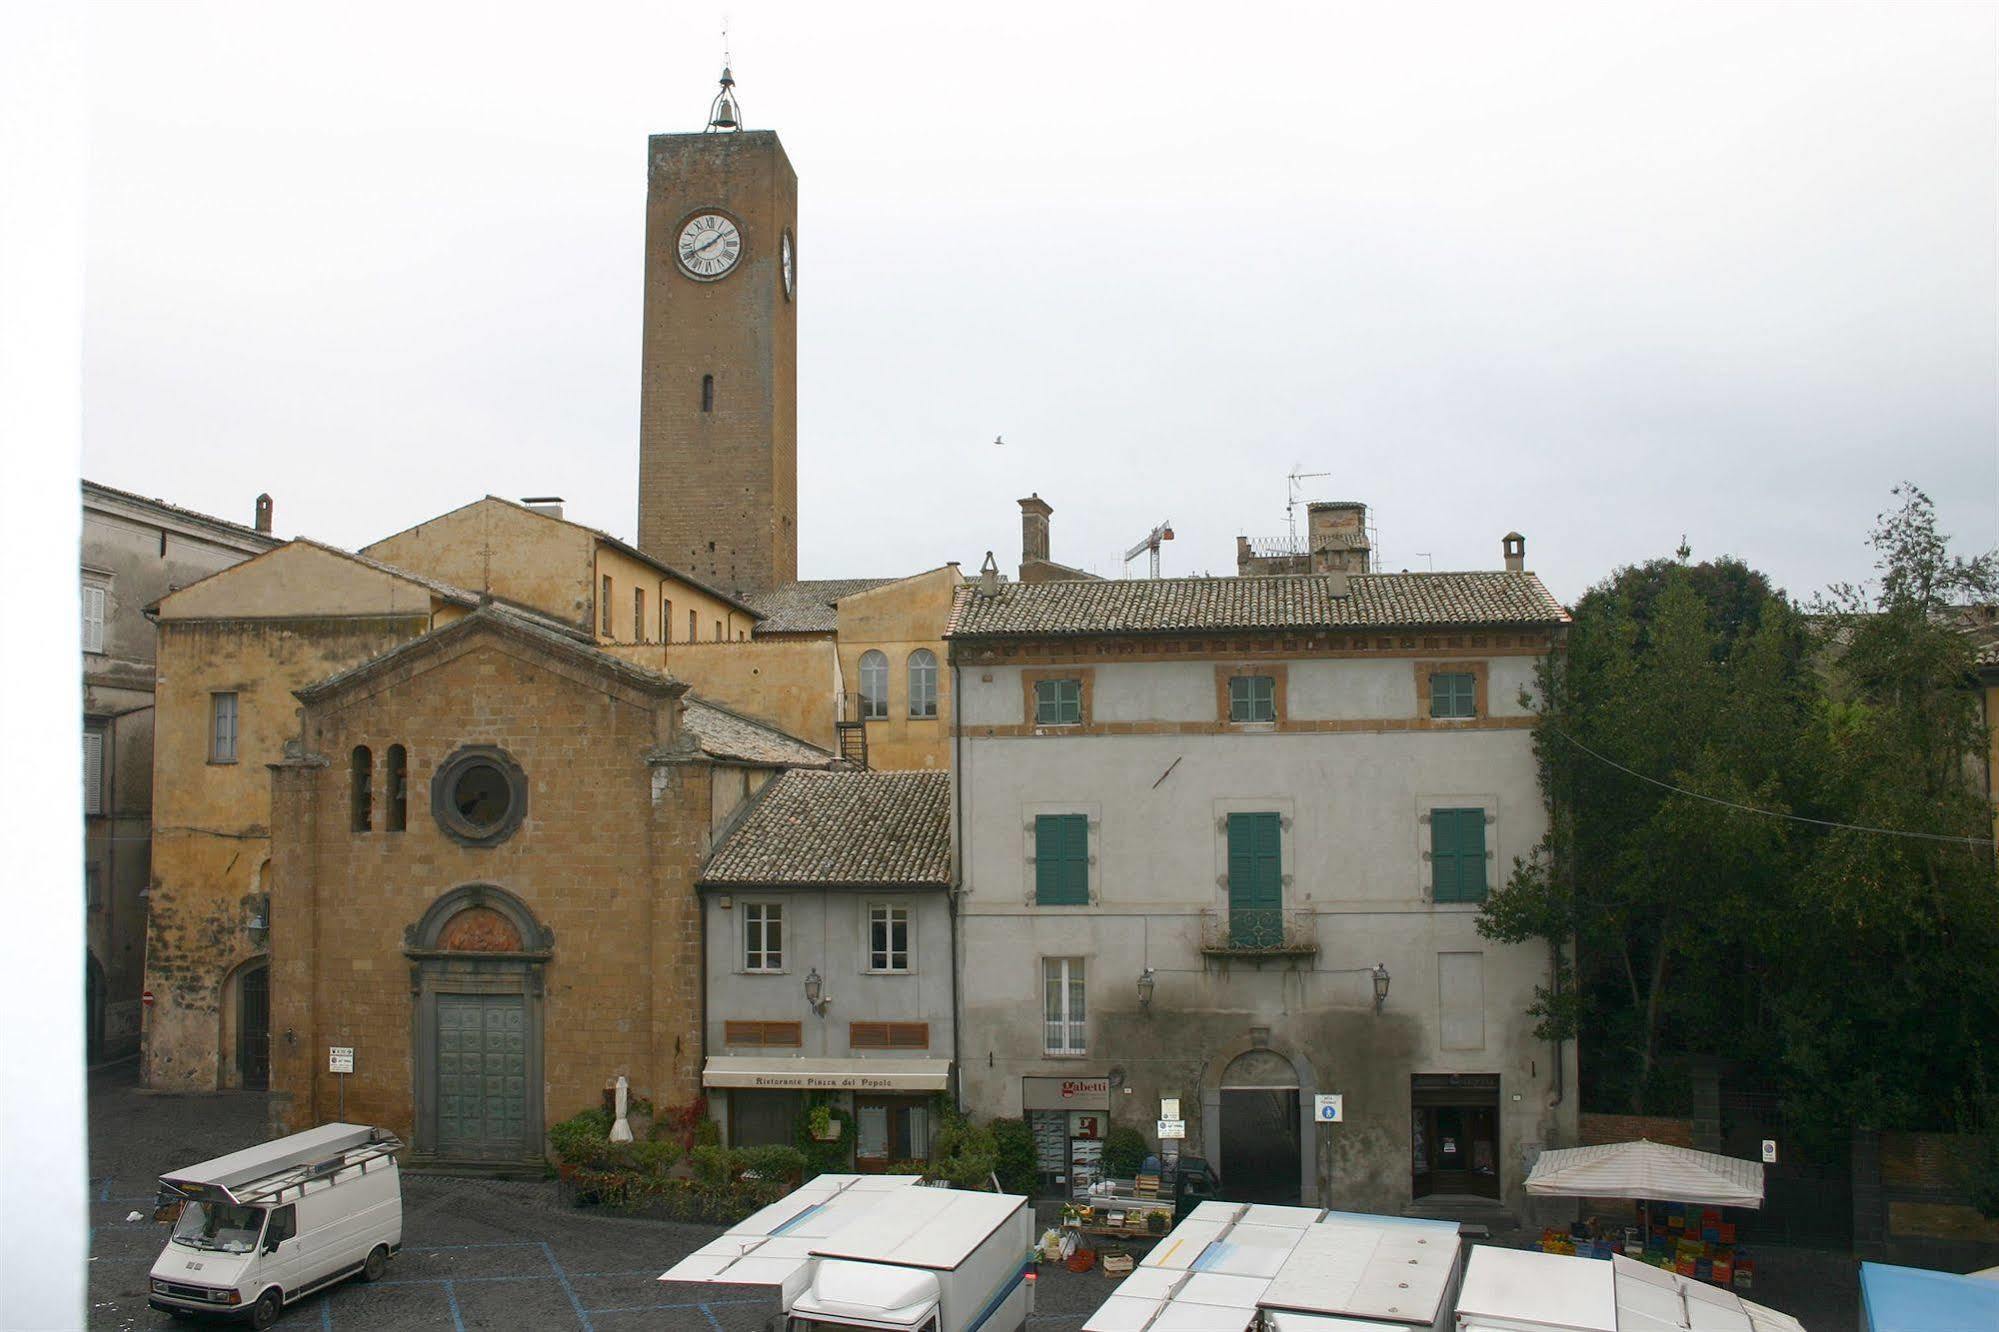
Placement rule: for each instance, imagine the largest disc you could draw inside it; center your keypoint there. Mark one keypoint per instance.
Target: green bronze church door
(481, 1076)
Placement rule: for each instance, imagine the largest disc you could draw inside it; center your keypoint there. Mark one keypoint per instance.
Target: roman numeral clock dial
(709, 246)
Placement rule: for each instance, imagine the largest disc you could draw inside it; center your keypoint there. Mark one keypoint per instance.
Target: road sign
(339, 1059)
(1172, 1128)
(1769, 1151)
(146, 998)
(1329, 1107)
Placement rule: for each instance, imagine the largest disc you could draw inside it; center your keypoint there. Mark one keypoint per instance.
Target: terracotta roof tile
(723, 734)
(806, 606)
(1294, 602)
(841, 829)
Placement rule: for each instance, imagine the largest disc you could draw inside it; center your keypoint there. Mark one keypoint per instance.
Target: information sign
(339, 1059)
(1329, 1107)
(1769, 1151)
(1170, 1129)
(1169, 1107)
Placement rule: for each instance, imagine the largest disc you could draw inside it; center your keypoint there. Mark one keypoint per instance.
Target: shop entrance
(1260, 1159)
(890, 1129)
(1068, 1117)
(1454, 1134)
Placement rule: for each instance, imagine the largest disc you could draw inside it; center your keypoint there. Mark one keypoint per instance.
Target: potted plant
(822, 1125)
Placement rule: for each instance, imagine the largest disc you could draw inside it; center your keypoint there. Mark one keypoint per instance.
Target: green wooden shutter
(1256, 881)
(1061, 860)
(1457, 855)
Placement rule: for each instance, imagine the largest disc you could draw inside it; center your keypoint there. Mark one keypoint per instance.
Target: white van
(260, 1228)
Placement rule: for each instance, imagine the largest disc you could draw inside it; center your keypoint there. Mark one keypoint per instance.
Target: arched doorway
(480, 959)
(253, 1026)
(1261, 1149)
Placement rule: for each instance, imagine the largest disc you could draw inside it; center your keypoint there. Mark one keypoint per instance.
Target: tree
(1674, 677)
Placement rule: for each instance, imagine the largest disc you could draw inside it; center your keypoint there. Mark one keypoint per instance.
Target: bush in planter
(1013, 1144)
(964, 1154)
(823, 1156)
(1124, 1151)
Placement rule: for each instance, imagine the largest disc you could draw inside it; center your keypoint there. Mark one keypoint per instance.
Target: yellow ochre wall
(626, 573)
(290, 617)
(895, 619)
(789, 683)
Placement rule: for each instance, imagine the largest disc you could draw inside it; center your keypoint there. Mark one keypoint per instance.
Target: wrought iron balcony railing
(1259, 932)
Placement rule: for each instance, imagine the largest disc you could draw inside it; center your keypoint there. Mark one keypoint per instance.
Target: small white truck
(879, 1252)
(260, 1228)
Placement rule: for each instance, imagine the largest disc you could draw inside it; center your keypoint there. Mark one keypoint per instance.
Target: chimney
(550, 505)
(1034, 513)
(264, 512)
(1336, 536)
(989, 575)
(1515, 548)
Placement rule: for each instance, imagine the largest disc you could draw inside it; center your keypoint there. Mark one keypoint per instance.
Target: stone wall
(1912, 1201)
(1597, 1130)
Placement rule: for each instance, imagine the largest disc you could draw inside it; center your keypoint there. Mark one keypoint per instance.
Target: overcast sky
(1602, 273)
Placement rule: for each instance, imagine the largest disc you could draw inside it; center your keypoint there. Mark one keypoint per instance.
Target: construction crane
(1163, 532)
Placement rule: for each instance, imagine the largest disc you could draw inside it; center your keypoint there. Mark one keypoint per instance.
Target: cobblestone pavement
(489, 1254)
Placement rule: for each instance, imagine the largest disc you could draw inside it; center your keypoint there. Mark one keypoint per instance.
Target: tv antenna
(1293, 492)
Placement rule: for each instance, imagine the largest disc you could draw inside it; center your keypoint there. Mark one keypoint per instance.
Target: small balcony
(1255, 933)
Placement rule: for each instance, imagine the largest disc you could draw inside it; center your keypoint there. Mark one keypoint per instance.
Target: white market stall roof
(775, 1245)
(1651, 1170)
(1511, 1290)
(1301, 1269)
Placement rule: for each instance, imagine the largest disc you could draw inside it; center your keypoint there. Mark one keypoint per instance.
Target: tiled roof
(727, 735)
(1283, 602)
(806, 606)
(189, 515)
(851, 829)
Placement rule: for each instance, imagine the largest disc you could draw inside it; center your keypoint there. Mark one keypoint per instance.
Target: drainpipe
(951, 893)
(1555, 953)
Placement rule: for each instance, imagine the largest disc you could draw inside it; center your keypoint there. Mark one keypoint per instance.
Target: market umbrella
(1648, 1170)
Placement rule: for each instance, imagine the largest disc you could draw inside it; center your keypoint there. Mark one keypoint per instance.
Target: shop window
(1058, 702)
(1252, 698)
(362, 772)
(1457, 855)
(888, 938)
(222, 727)
(396, 816)
(923, 683)
(1062, 1005)
(890, 1129)
(1453, 694)
(763, 936)
(1061, 860)
(874, 686)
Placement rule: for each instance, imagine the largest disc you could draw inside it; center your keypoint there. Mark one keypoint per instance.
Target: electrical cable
(1768, 813)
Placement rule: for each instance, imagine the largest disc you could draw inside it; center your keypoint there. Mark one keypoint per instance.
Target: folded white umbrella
(1650, 1170)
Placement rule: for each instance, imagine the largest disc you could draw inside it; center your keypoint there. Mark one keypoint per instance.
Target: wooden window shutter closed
(1457, 854)
(762, 1035)
(1256, 880)
(888, 1035)
(1062, 860)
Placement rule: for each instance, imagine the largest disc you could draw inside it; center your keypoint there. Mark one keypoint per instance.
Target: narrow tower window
(396, 817)
(707, 393)
(364, 793)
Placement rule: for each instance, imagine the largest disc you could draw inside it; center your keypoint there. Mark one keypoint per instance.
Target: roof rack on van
(263, 1174)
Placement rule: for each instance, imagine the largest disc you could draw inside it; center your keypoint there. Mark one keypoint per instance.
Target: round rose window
(479, 796)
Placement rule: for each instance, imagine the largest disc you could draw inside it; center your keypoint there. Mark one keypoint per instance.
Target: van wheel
(377, 1265)
(265, 1312)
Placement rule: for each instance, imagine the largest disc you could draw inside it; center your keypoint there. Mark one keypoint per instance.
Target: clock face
(788, 265)
(710, 244)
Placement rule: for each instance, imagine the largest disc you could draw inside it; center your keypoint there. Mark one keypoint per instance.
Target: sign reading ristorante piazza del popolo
(853, 1075)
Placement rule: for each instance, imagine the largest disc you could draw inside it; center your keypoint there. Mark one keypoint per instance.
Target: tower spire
(723, 113)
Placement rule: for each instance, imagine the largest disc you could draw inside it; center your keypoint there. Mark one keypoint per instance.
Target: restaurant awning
(778, 1073)
(1649, 1170)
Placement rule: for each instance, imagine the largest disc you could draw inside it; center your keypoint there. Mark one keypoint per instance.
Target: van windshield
(219, 1225)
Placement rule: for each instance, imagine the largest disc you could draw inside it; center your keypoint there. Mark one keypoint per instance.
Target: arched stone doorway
(1261, 1148)
(245, 1054)
(480, 973)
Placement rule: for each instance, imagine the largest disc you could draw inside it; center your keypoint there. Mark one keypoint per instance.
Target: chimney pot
(1514, 547)
(544, 504)
(264, 512)
(1034, 513)
(989, 577)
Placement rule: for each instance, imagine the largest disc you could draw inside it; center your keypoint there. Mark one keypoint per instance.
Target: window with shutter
(1061, 860)
(1058, 702)
(762, 1035)
(1453, 694)
(93, 618)
(93, 772)
(888, 1035)
(1457, 855)
(1256, 880)
(1253, 698)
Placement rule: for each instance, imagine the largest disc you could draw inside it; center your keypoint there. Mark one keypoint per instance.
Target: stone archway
(1256, 1111)
(479, 960)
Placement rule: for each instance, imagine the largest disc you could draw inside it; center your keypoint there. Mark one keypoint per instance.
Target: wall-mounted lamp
(258, 926)
(1380, 985)
(815, 993)
(1145, 986)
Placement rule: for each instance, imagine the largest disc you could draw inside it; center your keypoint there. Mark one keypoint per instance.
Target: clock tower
(718, 379)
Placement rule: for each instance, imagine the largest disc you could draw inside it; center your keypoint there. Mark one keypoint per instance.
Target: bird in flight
(998, 441)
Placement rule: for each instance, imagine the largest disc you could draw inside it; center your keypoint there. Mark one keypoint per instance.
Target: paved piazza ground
(485, 1254)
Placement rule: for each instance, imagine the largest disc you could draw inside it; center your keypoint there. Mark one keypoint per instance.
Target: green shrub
(910, 1167)
(823, 1157)
(1013, 1144)
(778, 1164)
(707, 1133)
(1124, 1151)
(714, 1167)
(964, 1154)
(578, 1139)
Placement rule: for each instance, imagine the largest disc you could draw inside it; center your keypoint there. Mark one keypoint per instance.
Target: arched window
(874, 686)
(364, 788)
(707, 393)
(923, 683)
(399, 796)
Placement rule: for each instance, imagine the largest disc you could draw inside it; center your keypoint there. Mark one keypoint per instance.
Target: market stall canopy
(1510, 1290)
(1913, 1299)
(1649, 1170)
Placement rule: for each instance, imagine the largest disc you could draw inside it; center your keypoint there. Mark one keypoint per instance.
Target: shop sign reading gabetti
(1084, 1093)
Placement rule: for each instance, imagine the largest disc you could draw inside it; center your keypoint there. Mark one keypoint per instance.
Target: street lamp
(815, 993)
(1145, 984)
(1380, 985)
